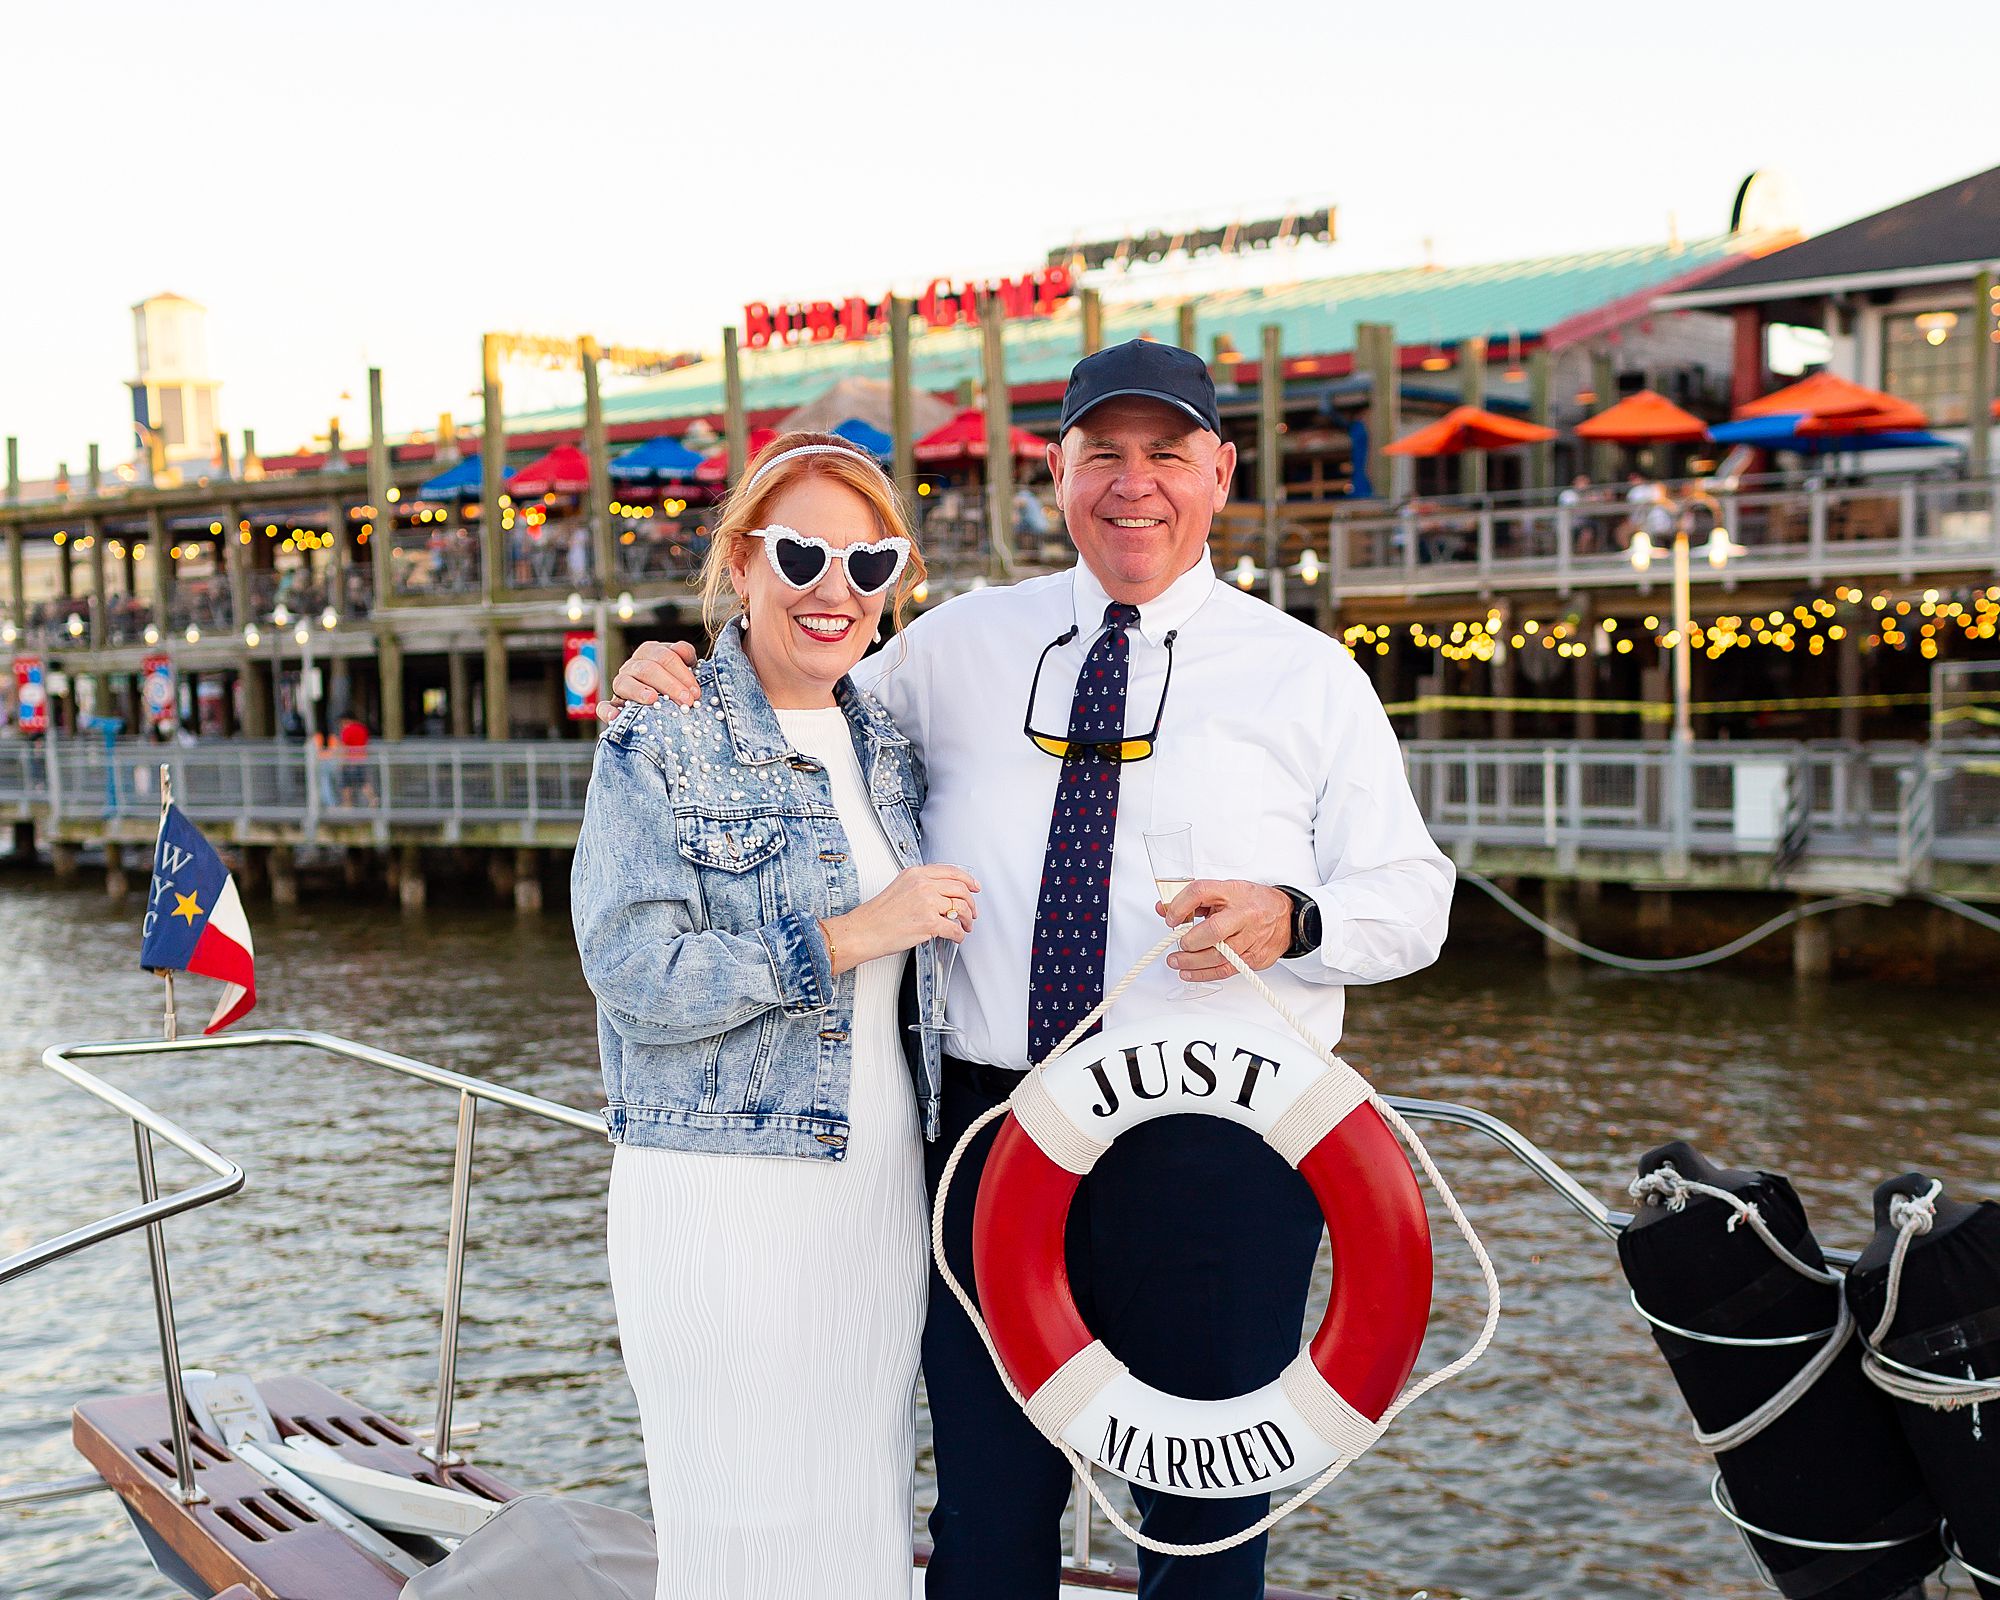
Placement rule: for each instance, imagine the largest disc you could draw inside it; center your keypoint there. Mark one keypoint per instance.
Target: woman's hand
(654, 671)
(934, 901)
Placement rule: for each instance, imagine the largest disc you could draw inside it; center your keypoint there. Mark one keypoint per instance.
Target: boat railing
(226, 1178)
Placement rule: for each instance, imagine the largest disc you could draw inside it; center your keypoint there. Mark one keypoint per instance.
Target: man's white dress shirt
(1273, 747)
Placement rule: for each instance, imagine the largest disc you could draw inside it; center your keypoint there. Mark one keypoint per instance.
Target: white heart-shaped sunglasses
(800, 559)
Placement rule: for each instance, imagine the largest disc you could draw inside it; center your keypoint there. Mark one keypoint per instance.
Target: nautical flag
(194, 918)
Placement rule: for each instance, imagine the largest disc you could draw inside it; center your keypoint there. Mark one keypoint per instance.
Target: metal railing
(1897, 804)
(440, 561)
(1831, 799)
(228, 1178)
(1786, 529)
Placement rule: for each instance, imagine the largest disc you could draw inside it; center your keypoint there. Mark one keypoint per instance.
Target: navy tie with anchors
(1066, 974)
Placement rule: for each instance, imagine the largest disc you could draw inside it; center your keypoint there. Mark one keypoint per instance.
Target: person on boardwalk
(1190, 1244)
(748, 890)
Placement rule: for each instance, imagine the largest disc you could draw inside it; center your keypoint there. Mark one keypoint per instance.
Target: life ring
(1326, 1404)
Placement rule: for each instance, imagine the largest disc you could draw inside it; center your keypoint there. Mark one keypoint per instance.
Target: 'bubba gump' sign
(941, 305)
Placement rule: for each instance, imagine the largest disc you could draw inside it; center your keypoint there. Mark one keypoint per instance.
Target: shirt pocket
(1219, 786)
(728, 844)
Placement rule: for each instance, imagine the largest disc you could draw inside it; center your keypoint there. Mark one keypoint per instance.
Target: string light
(1808, 627)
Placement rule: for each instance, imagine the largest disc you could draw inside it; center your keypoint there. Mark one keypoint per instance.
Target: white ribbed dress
(771, 1309)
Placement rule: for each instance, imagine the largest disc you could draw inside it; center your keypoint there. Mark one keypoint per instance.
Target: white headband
(811, 450)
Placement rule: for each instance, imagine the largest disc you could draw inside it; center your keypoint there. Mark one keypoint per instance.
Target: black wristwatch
(1306, 932)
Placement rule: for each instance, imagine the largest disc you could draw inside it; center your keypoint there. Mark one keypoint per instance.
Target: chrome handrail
(228, 1179)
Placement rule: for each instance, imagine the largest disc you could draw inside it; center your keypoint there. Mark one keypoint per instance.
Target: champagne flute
(937, 1022)
(1172, 856)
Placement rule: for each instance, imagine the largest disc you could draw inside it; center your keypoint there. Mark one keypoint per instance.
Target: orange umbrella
(1643, 418)
(1825, 395)
(1468, 428)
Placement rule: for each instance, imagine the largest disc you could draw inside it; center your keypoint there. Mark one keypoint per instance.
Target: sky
(378, 184)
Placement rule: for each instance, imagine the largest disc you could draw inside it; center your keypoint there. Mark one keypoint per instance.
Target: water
(1560, 1468)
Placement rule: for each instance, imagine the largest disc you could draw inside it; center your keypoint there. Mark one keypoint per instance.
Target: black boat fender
(1926, 1298)
(1812, 1466)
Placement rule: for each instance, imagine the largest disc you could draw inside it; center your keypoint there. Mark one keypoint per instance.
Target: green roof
(1427, 305)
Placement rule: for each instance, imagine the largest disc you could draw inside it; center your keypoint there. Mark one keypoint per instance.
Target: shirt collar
(1165, 613)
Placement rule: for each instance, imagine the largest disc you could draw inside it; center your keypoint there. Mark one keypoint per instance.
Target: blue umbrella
(868, 436)
(655, 460)
(461, 481)
(1782, 433)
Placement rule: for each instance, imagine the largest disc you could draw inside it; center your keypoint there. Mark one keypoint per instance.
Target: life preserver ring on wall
(1326, 1404)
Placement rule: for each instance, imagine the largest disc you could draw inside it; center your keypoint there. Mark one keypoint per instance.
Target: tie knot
(1120, 615)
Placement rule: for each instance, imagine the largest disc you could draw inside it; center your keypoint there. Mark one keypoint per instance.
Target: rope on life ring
(1341, 1392)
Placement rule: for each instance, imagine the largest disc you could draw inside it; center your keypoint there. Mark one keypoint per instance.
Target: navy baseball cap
(1144, 367)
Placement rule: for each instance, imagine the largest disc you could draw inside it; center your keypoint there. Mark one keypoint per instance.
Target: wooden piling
(1270, 457)
(999, 442)
(284, 876)
(497, 723)
(1093, 321)
(411, 889)
(1985, 356)
(735, 426)
(527, 880)
(382, 541)
(597, 504)
(492, 474)
(902, 423)
(1472, 391)
(1541, 457)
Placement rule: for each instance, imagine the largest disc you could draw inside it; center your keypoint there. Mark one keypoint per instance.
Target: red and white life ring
(1326, 1404)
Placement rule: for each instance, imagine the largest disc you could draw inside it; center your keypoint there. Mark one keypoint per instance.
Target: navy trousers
(1190, 1252)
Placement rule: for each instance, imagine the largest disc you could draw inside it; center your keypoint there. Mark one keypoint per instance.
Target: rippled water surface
(1560, 1467)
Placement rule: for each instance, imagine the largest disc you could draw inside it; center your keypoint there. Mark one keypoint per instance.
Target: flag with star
(194, 918)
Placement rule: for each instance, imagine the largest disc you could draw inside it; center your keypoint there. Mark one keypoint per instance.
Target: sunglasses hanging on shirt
(1064, 748)
(801, 559)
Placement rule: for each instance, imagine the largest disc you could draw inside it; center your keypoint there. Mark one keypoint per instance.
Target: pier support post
(354, 865)
(24, 841)
(1812, 947)
(116, 883)
(1559, 911)
(527, 880)
(500, 873)
(63, 855)
(459, 693)
(256, 874)
(411, 889)
(497, 724)
(284, 876)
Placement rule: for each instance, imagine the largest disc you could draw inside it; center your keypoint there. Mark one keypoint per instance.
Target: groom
(1191, 1244)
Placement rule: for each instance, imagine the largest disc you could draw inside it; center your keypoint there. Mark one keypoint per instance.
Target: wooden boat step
(251, 1537)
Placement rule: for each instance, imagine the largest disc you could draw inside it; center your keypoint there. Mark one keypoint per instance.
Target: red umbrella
(964, 439)
(1468, 428)
(1826, 399)
(1643, 418)
(716, 468)
(564, 470)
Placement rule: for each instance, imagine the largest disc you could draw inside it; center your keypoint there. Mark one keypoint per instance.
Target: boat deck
(248, 1532)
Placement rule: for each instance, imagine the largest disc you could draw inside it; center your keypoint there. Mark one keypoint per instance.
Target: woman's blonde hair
(745, 511)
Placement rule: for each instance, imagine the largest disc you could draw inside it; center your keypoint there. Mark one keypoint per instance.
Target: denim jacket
(710, 849)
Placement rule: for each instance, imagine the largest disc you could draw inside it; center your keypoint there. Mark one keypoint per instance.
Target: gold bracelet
(832, 952)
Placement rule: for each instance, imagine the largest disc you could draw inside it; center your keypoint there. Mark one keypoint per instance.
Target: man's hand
(655, 670)
(1254, 919)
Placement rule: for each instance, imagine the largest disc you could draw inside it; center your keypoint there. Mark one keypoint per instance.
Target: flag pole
(171, 1023)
